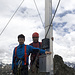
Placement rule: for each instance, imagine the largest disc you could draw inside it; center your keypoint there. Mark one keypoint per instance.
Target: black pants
(22, 71)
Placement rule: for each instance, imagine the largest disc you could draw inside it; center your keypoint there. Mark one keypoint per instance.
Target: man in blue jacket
(20, 56)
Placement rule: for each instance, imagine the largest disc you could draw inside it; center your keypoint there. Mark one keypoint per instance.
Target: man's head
(35, 37)
(21, 39)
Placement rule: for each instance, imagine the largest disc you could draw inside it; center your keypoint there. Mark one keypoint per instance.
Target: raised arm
(39, 50)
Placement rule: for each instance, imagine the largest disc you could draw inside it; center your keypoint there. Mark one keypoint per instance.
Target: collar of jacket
(21, 45)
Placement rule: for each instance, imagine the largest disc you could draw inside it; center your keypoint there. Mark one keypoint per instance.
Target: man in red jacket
(37, 44)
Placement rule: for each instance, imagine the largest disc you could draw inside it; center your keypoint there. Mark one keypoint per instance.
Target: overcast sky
(26, 21)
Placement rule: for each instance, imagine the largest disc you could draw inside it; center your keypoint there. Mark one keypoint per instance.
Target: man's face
(35, 39)
(21, 41)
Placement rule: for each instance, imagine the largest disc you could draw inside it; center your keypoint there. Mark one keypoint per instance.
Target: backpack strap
(25, 55)
(31, 44)
(15, 55)
(15, 51)
(39, 45)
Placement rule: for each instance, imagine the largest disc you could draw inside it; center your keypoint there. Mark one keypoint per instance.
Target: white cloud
(64, 5)
(65, 46)
(29, 22)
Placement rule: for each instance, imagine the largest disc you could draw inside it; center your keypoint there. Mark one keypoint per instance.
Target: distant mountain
(2, 64)
(70, 64)
(5, 69)
(60, 68)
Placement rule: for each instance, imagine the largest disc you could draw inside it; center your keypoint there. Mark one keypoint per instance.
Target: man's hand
(52, 38)
(47, 52)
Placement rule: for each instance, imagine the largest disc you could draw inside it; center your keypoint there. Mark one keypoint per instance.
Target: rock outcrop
(60, 68)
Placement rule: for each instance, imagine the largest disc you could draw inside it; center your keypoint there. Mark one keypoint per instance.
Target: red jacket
(33, 55)
(36, 44)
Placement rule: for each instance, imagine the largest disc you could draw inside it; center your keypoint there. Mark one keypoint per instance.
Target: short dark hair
(21, 36)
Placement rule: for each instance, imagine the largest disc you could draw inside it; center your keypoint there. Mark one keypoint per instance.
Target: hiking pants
(36, 72)
(23, 71)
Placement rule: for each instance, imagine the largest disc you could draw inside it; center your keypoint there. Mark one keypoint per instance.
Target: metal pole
(48, 17)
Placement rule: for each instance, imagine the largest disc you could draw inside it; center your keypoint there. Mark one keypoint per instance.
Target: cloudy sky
(27, 21)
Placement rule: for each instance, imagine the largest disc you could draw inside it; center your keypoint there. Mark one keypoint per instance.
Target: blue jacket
(20, 53)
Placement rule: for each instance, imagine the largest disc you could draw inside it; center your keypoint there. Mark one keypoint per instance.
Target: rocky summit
(60, 68)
